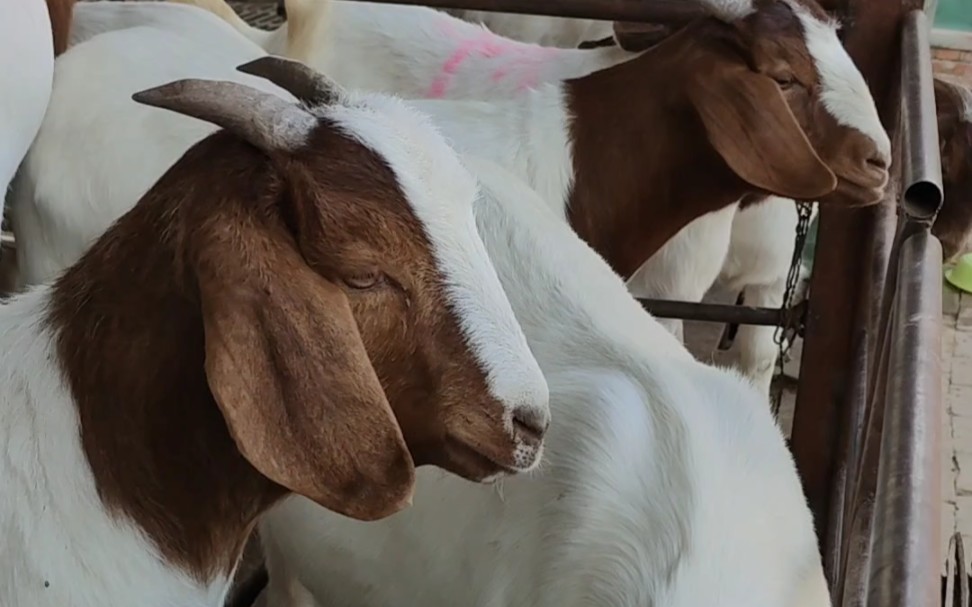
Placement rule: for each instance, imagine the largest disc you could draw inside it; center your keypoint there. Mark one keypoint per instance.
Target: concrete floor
(957, 416)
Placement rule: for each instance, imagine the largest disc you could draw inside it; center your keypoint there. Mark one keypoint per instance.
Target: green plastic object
(960, 275)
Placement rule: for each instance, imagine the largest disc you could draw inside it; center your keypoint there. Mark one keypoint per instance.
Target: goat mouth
(862, 192)
(472, 464)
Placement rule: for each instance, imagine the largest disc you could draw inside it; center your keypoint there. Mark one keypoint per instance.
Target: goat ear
(287, 368)
(750, 125)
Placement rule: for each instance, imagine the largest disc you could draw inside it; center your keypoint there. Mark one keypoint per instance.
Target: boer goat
(301, 303)
(666, 481)
(953, 226)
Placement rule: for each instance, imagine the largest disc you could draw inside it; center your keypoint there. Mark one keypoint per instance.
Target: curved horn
(263, 119)
(304, 83)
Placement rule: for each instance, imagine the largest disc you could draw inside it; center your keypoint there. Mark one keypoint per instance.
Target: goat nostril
(529, 425)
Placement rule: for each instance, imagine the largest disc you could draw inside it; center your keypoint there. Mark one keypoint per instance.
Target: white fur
(540, 29)
(748, 251)
(405, 49)
(441, 192)
(26, 70)
(666, 481)
(67, 195)
(842, 85)
(757, 264)
(685, 268)
(60, 547)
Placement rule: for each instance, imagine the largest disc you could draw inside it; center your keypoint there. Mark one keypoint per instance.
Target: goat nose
(530, 424)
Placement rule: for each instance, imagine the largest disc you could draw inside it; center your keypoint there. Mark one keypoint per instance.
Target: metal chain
(783, 336)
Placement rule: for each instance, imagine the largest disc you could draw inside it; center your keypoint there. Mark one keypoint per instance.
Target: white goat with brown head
(301, 303)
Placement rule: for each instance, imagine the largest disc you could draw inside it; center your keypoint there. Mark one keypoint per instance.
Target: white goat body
(26, 71)
(760, 252)
(414, 51)
(67, 196)
(666, 482)
(561, 32)
(751, 257)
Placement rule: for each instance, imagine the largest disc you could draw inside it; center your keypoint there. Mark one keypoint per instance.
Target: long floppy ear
(288, 369)
(750, 125)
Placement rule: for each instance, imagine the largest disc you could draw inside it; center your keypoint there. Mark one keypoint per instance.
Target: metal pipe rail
(882, 544)
(667, 11)
(904, 555)
(724, 313)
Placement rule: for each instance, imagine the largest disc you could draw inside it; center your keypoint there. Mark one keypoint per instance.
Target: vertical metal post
(849, 271)
(905, 556)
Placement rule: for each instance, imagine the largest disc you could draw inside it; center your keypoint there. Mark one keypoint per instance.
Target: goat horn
(263, 119)
(304, 83)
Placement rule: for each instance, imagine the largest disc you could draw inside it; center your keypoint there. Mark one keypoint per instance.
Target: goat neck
(144, 405)
(640, 163)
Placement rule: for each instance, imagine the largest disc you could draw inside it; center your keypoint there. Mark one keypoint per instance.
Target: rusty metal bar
(919, 202)
(705, 312)
(901, 463)
(921, 166)
(663, 11)
(905, 555)
(849, 268)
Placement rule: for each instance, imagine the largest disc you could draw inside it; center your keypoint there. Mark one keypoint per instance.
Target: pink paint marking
(438, 88)
(527, 59)
(499, 73)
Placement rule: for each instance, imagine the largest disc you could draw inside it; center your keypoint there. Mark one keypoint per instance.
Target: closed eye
(367, 280)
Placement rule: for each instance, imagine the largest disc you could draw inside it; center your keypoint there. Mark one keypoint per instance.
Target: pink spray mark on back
(525, 59)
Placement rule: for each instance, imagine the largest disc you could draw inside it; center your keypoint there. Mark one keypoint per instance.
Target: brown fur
(223, 345)
(953, 226)
(61, 12)
(697, 122)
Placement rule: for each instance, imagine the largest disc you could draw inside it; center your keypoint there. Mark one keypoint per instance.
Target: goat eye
(366, 280)
(785, 82)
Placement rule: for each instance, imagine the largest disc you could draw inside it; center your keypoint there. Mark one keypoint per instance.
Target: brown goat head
(953, 226)
(305, 289)
(795, 50)
(779, 97)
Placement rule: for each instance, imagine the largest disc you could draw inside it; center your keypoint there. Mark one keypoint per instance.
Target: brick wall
(955, 63)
